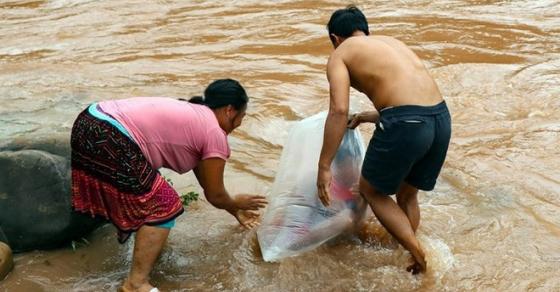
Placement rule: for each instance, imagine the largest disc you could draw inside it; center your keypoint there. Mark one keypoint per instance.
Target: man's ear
(336, 40)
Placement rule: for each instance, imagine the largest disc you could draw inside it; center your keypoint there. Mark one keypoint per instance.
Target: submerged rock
(6, 260)
(35, 200)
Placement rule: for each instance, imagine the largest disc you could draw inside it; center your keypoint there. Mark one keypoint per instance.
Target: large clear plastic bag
(295, 220)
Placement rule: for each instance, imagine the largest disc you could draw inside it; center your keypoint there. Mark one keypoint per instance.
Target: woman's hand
(248, 219)
(249, 202)
(246, 211)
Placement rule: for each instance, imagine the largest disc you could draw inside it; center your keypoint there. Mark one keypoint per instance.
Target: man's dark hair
(223, 92)
(344, 22)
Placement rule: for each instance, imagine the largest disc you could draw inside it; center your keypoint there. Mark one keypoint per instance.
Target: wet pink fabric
(171, 133)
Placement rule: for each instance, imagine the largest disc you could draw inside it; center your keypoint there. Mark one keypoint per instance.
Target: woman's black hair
(223, 92)
(344, 22)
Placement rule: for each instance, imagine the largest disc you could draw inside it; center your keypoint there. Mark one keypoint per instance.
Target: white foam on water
(57, 4)
(438, 255)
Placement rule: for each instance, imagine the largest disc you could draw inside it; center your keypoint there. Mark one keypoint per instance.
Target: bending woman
(118, 147)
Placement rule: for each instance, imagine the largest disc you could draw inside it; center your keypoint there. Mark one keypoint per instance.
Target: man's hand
(249, 202)
(363, 117)
(323, 184)
(354, 121)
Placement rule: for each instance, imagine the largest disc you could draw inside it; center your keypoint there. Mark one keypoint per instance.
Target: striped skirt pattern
(112, 178)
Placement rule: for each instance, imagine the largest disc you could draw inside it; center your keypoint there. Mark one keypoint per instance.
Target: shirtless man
(413, 125)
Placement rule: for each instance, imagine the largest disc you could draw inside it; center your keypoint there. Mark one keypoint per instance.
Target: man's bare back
(387, 71)
(413, 125)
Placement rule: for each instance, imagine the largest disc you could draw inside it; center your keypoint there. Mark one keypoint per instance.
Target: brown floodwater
(491, 224)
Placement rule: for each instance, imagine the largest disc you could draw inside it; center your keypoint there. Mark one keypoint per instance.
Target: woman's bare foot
(129, 287)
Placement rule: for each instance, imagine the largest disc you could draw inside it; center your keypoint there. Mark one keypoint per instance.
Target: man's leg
(147, 247)
(393, 218)
(407, 199)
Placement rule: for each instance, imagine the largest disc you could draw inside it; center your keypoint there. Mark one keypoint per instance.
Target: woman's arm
(210, 176)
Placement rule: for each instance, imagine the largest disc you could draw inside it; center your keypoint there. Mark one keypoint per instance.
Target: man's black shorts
(409, 144)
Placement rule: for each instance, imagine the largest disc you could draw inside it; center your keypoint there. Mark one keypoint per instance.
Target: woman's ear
(231, 112)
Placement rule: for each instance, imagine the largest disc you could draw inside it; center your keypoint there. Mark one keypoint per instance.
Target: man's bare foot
(419, 263)
(128, 287)
(416, 268)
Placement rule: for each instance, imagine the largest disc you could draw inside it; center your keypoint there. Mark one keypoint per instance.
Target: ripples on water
(491, 224)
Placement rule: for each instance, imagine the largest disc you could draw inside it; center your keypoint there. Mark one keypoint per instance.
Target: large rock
(6, 260)
(35, 200)
(57, 143)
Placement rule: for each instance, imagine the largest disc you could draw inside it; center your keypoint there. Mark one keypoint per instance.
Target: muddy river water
(491, 224)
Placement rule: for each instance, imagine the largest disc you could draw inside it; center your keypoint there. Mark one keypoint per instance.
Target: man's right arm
(335, 124)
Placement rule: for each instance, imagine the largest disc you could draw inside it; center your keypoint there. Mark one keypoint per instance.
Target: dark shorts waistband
(414, 110)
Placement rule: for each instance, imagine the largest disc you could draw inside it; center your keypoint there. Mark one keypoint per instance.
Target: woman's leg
(147, 247)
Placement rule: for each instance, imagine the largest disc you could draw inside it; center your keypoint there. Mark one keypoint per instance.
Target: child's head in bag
(346, 171)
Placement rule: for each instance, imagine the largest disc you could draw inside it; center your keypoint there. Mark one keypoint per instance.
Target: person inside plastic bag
(413, 124)
(343, 190)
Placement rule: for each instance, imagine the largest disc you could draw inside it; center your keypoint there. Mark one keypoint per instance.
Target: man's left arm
(335, 125)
